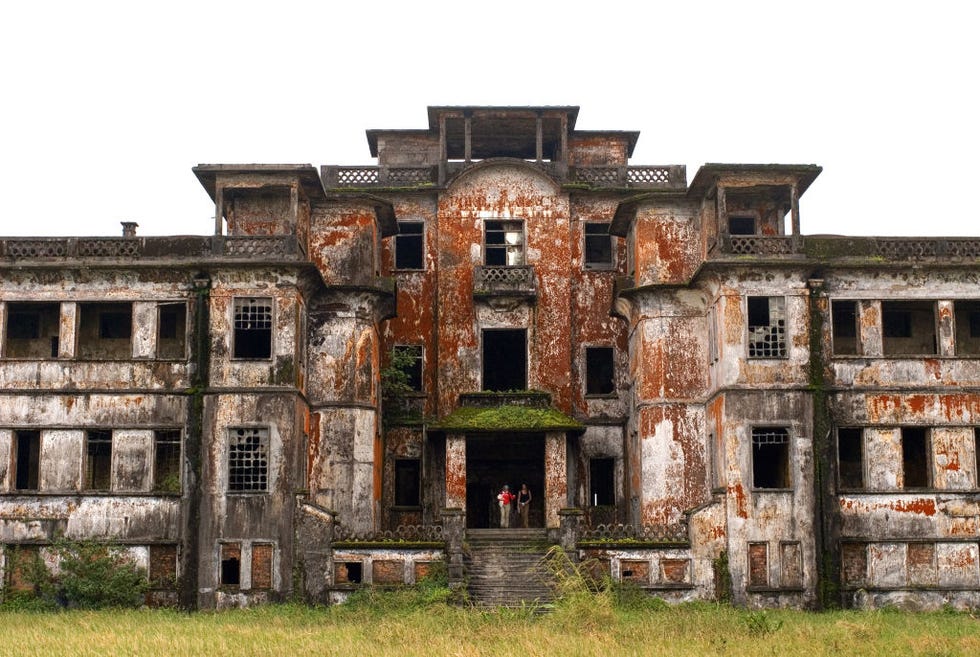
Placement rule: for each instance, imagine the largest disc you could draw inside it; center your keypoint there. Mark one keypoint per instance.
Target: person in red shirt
(505, 498)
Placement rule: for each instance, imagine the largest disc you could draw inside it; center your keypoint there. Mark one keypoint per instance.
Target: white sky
(106, 106)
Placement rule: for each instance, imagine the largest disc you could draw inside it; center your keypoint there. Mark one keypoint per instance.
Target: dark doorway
(504, 359)
(498, 459)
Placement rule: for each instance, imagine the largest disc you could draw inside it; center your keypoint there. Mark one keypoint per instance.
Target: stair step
(504, 569)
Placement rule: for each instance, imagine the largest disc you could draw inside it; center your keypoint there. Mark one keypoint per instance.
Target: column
(456, 471)
(555, 477)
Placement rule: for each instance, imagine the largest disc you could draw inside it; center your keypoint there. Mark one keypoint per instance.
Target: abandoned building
(329, 391)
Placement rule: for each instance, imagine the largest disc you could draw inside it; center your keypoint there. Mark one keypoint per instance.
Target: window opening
(105, 331)
(172, 330)
(248, 460)
(908, 328)
(758, 565)
(408, 480)
(163, 566)
(850, 457)
(231, 564)
(349, 572)
(967, 319)
(504, 243)
(504, 359)
(253, 328)
(98, 462)
(166, 461)
(409, 361)
(602, 485)
(770, 457)
(28, 455)
(599, 371)
(598, 246)
(262, 555)
(409, 245)
(915, 460)
(32, 330)
(976, 456)
(845, 333)
(767, 327)
(741, 226)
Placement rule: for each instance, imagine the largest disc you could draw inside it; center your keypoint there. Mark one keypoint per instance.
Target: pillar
(456, 471)
(555, 477)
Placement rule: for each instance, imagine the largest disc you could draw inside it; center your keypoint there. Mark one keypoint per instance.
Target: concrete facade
(330, 389)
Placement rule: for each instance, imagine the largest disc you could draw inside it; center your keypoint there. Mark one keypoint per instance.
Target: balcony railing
(278, 247)
(504, 281)
(639, 177)
(336, 177)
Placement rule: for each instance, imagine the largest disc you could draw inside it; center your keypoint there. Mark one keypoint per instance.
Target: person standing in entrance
(505, 498)
(524, 504)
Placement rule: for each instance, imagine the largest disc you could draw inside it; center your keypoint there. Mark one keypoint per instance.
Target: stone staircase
(503, 568)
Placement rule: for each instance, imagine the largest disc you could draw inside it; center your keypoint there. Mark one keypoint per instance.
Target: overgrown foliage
(89, 575)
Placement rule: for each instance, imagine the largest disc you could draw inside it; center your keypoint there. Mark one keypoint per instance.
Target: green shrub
(95, 575)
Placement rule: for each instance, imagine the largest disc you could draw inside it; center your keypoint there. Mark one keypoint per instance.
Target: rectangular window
(976, 456)
(758, 565)
(599, 373)
(503, 243)
(28, 459)
(767, 327)
(166, 461)
(410, 245)
(262, 556)
(22, 561)
(599, 252)
(32, 330)
(915, 457)
(850, 457)
(504, 359)
(163, 567)
(908, 328)
(602, 482)
(408, 482)
(98, 460)
(248, 460)
(854, 564)
(231, 564)
(845, 332)
(408, 359)
(105, 331)
(770, 457)
(253, 328)
(172, 331)
(967, 319)
(741, 225)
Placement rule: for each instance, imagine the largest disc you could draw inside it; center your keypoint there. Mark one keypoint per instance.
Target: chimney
(129, 228)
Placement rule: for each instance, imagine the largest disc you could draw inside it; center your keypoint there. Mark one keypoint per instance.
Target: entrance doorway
(497, 459)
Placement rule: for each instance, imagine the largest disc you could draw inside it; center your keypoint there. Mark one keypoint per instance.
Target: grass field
(585, 627)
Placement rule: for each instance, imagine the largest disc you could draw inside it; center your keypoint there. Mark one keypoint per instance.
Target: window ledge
(772, 490)
(247, 493)
(406, 507)
(775, 589)
(607, 395)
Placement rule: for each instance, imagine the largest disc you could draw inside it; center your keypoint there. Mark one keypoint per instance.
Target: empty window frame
(32, 330)
(767, 327)
(599, 371)
(602, 482)
(253, 328)
(908, 328)
(248, 460)
(850, 457)
(741, 225)
(27, 457)
(915, 457)
(599, 252)
(231, 565)
(408, 358)
(504, 359)
(166, 461)
(410, 245)
(503, 243)
(770, 457)
(976, 457)
(408, 482)
(172, 331)
(105, 331)
(845, 328)
(98, 460)
(967, 318)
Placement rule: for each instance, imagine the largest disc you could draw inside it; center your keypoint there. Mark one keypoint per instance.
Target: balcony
(504, 282)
